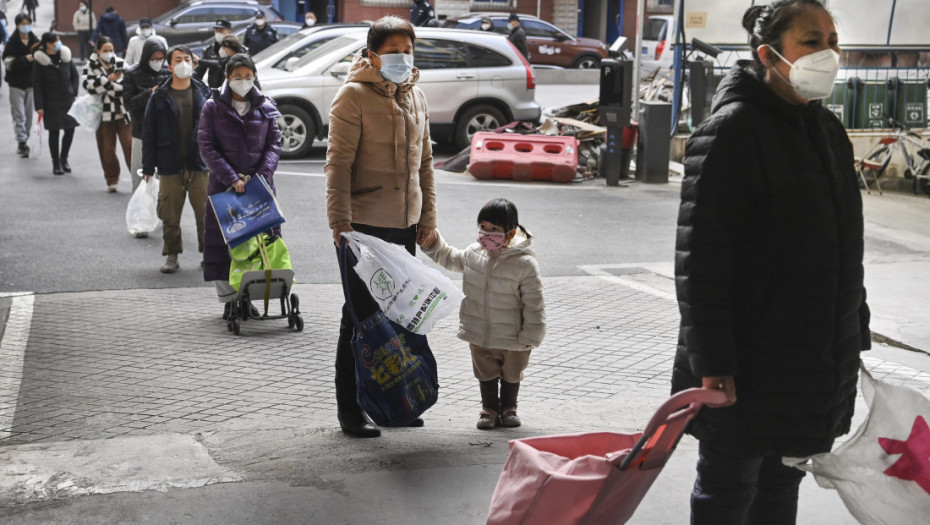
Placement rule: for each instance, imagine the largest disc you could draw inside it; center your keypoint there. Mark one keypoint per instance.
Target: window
(484, 57)
(198, 15)
(538, 29)
(661, 6)
(654, 29)
(439, 54)
(234, 13)
(492, 5)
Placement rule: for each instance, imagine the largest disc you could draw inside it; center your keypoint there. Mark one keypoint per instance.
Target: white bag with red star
(883, 472)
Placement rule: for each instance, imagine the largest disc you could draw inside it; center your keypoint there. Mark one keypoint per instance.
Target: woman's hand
(114, 76)
(724, 383)
(427, 237)
(239, 186)
(338, 231)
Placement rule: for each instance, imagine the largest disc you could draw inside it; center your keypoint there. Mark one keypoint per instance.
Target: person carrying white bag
(503, 315)
(142, 211)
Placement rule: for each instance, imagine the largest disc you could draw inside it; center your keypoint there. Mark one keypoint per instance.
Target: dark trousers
(365, 306)
(107, 135)
(84, 41)
(733, 490)
(60, 154)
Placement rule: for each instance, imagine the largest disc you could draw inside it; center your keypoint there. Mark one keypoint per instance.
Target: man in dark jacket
(260, 35)
(210, 60)
(169, 145)
(517, 35)
(18, 60)
(216, 66)
(113, 26)
(139, 82)
(421, 12)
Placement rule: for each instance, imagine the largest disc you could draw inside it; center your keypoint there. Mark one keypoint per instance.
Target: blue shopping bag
(395, 371)
(244, 215)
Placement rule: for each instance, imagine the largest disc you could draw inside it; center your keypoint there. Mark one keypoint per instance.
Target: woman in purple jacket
(238, 136)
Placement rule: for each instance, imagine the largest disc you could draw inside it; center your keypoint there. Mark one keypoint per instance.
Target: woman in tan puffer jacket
(503, 314)
(379, 177)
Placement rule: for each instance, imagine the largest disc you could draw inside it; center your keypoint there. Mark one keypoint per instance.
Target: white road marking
(659, 268)
(12, 350)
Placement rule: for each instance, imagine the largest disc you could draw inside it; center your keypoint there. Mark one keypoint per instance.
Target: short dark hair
(48, 38)
(767, 24)
(180, 47)
(239, 60)
(387, 26)
(101, 40)
(503, 213)
(20, 18)
(232, 42)
(110, 9)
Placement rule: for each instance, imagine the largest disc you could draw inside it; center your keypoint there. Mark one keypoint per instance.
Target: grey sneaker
(171, 264)
(487, 419)
(140, 235)
(509, 417)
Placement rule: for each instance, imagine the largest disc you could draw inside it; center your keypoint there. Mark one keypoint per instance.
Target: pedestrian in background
(103, 77)
(210, 60)
(486, 24)
(144, 33)
(216, 68)
(83, 21)
(238, 137)
(29, 8)
(18, 60)
(260, 35)
(111, 25)
(517, 35)
(769, 271)
(421, 13)
(379, 177)
(309, 20)
(139, 82)
(55, 85)
(503, 315)
(169, 145)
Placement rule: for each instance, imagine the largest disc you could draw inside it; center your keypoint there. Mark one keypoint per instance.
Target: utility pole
(638, 55)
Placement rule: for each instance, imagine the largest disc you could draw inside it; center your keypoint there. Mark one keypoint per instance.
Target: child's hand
(427, 237)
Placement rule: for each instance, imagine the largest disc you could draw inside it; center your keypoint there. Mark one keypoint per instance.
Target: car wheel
(297, 131)
(587, 62)
(473, 120)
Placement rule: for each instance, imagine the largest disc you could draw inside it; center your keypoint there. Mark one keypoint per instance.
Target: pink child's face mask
(491, 241)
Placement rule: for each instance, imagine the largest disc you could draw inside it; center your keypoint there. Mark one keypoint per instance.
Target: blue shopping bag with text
(244, 215)
(395, 371)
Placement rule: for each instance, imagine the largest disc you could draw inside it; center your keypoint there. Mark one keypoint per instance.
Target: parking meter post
(616, 100)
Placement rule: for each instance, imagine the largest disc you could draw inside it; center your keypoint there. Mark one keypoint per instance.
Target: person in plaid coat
(103, 77)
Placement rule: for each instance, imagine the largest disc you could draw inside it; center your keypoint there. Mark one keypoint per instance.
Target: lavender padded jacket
(230, 145)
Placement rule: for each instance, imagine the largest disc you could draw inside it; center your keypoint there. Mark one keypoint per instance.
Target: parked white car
(473, 81)
(658, 38)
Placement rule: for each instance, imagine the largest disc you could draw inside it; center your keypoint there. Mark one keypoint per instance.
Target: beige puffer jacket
(503, 306)
(379, 162)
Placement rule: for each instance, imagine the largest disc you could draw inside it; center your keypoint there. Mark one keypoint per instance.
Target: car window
(439, 54)
(539, 29)
(197, 15)
(301, 51)
(281, 44)
(234, 13)
(654, 29)
(484, 57)
(328, 47)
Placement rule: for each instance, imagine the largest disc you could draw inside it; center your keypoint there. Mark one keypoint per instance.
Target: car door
(446, 78)
(193, 24)
(238, 16)
(547, 44)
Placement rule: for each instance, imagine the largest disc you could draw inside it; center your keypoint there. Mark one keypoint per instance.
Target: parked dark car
(285, 29)
(193, 21)
(548, 44)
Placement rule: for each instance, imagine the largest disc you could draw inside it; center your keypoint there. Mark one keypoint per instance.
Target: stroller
(594, 478)
(266, 284)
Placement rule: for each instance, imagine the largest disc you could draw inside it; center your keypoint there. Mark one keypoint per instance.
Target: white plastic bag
(35, 139)
(141, 214)
(87, 111)
(408, 292)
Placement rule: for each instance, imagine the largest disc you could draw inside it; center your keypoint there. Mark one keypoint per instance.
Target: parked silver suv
(473, 81)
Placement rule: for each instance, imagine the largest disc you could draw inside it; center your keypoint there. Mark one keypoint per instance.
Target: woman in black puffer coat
(55, 85)
(769, 270)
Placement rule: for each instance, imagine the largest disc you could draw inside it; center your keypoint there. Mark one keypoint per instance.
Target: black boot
(509, 391)
(56, 168)
(65, 166)
(357, 424)
(489, 398)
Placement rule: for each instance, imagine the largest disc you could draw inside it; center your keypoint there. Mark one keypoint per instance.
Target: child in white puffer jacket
(503, 314)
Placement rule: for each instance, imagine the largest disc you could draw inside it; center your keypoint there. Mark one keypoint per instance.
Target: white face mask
(241, 86)
(222, 53)
(812, 76)
(260, 22)
(146, 32)
(156, 65)
(183, 70)
(310, 21)
(83, 8)
(219, 37)
(485, 27)
(106, 57)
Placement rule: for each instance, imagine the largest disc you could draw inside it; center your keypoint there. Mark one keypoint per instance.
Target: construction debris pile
(579, 120)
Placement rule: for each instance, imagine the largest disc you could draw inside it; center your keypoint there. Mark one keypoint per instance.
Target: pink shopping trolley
(591, 479)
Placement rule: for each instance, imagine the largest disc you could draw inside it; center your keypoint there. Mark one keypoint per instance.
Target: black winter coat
(258, 38)
(517, 37)
(138, 82)
(161, 145)
(113, 26)
(18, 68)
(768, 270)
(55, 81)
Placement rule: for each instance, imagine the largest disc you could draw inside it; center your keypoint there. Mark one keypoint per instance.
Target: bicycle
(877, 159)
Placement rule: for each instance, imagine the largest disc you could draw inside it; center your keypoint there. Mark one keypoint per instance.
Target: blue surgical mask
(396, 67)
(26, 29)
(58, 45)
